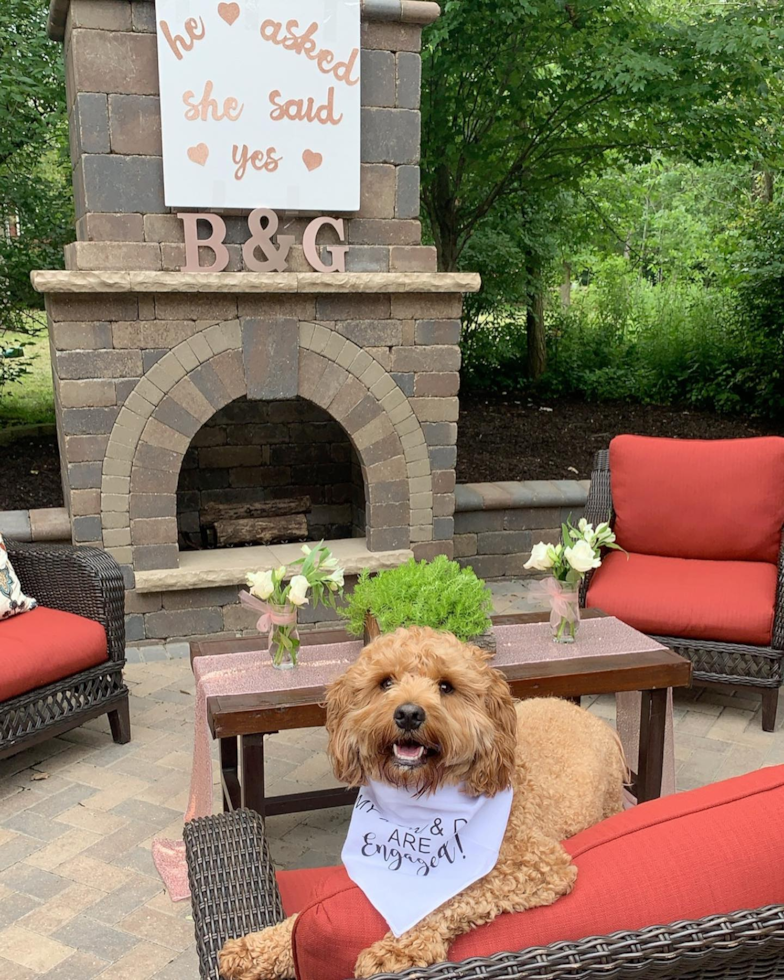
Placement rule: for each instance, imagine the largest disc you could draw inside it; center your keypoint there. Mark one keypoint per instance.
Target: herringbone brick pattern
(79, 896)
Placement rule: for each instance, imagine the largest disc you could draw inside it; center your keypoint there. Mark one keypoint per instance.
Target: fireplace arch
(215, 366)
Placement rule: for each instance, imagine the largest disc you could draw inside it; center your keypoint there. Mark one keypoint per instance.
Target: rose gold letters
(207, 106)
(177, 42)
(262, 237)
(299, 110)
(305, 43)
(243, 156)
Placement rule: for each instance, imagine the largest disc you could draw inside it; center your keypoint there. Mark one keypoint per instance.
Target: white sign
(260, 103)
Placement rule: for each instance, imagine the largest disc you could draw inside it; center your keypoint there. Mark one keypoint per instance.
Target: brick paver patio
(79, 896)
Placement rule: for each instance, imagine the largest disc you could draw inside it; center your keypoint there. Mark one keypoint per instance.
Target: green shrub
(439, 594)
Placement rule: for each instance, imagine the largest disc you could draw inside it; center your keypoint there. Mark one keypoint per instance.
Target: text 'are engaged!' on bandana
(446, 841)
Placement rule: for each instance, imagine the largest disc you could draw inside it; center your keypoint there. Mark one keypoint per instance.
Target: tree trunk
(534, 321)
(566, 286)
(762, 185)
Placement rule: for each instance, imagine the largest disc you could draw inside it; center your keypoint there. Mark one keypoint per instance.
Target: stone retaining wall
(497, 523)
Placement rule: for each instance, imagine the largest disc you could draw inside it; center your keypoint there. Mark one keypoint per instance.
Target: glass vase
(565, 611)
(283, 637)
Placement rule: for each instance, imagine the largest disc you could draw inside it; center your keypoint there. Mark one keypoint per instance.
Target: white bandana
(446, 841)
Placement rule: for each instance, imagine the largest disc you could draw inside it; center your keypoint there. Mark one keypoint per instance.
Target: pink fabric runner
(253, 673)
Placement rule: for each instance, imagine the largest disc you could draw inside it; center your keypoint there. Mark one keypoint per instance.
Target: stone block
(465, 545)
(195, 306)
(152, 505)
(479, 520)
(430, 549)
(113, 256)
(270, 353)
(150, 556)
(74, 365)
(143, 16)
(436, 385)
(135, 125)
(436, 357)
(83, 306)
(163, 228)
(86, 529)
(438, 331)
(387, 471)
(170, 413)
(273, 306)
(110, 228)
(114, 61)
(390, 136)
(504, 543)
(367, 258)
(122, 183)
(362, 414)
(440, 433)
(407, 192)
(387, 538)
(183, 622)
(443, 528)
(371, 333)
(377, 191)
(87, 421)
(413, 258)
(118, 537)
(154, 530)
(497, 566)
(391, 37)
(99, 15)
(90, 124)
(436, 409)
(230, 456)
(443, 481)
(82, 476)
(409, 80)
(81, 336)
(16, 524)
(443, 457)
(134, 627)
(378, 78)
(357, 307)
(200, 598)
(427, 306)
(529, 518)
(404, 381)
(422, 533)
(388, 491)
(379, 231)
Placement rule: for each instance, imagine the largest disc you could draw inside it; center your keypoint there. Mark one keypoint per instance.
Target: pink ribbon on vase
(555, 591)
(271, 615)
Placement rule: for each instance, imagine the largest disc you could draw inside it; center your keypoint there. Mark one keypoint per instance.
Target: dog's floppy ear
(493, 767)
(342, 748)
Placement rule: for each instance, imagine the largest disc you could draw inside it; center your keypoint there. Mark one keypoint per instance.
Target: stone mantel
(255, 282)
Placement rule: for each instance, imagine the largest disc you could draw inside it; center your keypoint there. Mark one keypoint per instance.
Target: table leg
(229, 773)
(653, 718)
(252, 773)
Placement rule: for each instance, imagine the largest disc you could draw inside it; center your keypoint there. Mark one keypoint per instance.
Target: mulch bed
(498, 439)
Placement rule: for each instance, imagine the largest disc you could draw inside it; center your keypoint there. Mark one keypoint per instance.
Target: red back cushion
(718, 499)
(712, 850)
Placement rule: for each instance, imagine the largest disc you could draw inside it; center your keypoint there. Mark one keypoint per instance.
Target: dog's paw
(391, 955)
(255, 957)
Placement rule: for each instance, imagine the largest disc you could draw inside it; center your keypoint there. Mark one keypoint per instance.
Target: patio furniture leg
(770, 704)
(252, 773)
(120, 722)
(653, 718)
(229, 773)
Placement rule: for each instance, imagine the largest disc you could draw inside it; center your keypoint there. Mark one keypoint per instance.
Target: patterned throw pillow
(12, 600)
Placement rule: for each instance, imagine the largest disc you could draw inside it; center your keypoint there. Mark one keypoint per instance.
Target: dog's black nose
(409, 717)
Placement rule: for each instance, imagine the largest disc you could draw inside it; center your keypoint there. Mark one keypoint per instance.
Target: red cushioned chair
(702, 524)
(61, 663)
(688, 886)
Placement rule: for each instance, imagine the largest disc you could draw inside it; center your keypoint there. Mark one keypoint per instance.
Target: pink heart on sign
(229, 12)
(312, 160)
(199, 153)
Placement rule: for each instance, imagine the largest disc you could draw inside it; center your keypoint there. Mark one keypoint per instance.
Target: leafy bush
(439, 594)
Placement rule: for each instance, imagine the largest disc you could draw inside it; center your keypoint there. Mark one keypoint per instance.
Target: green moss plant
(437, 593)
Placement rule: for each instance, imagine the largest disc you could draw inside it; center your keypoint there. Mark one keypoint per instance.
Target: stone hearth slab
(230, 566)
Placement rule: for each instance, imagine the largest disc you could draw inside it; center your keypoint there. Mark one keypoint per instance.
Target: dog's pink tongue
(408, 751)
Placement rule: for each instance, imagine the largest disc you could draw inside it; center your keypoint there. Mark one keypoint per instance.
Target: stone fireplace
(174, 390)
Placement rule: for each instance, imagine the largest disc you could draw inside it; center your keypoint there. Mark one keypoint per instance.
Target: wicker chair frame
(89, 583)
(234, 892)
(715, 662)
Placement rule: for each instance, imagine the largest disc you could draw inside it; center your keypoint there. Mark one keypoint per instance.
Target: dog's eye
(445, 687)
(386, 684)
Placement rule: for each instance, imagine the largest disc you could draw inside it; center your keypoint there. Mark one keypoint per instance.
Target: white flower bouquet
(579, 551)
(270, 593)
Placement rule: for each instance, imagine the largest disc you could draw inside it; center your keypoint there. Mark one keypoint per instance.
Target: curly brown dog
(565, 766)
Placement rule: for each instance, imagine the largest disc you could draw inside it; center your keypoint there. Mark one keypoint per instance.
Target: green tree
(36, 211)
(524, 98)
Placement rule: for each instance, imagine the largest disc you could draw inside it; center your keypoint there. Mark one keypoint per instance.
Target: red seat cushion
(717, 499)
(709, 851)
(704, 600)
(45, 645)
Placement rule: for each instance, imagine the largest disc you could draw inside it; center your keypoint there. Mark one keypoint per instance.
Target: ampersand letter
(261, 238)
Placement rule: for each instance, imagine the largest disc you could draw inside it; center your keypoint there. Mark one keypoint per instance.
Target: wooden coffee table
(240, 721)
